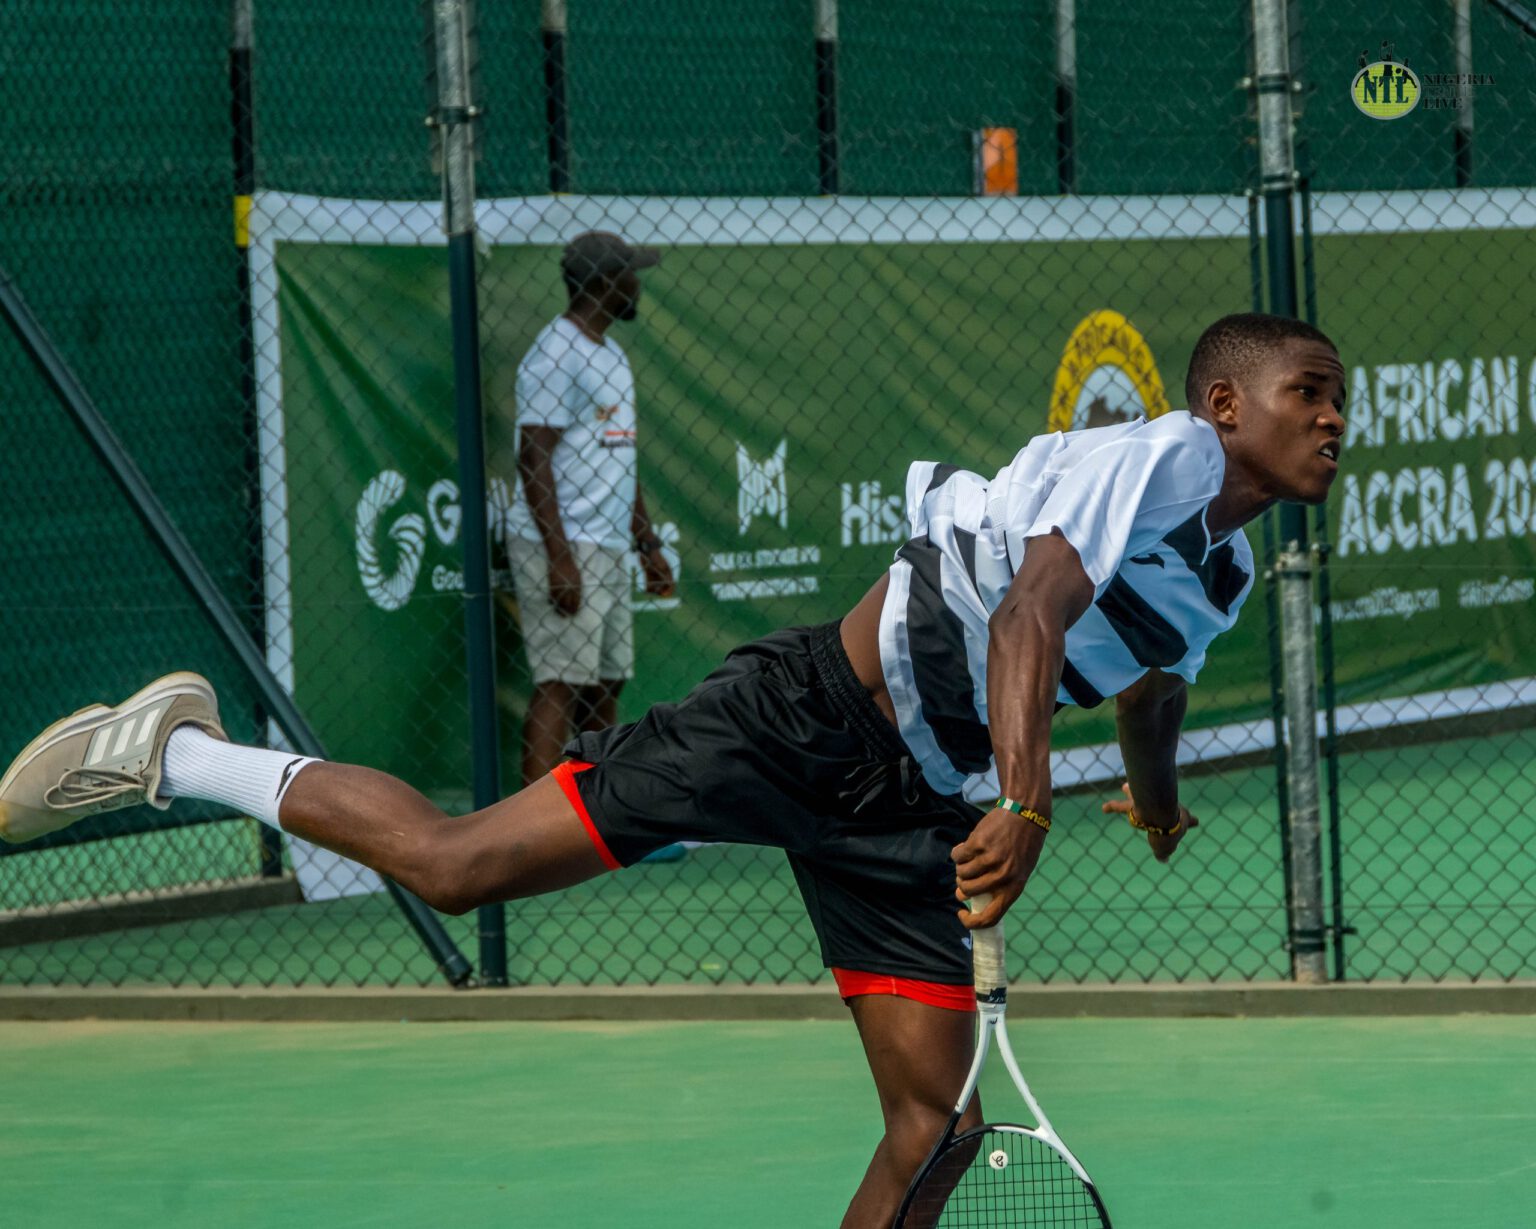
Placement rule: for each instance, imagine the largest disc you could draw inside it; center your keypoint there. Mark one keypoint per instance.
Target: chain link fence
(886, 233)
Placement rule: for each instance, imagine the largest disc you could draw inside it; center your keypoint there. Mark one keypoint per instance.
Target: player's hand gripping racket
(999, 1176)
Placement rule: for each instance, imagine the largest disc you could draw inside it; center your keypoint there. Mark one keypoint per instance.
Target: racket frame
(989, 953)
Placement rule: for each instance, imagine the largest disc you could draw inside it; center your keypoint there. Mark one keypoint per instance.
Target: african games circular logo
(1385, 89)
(1107, 375)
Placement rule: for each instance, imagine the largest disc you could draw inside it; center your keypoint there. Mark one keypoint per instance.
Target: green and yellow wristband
(1023, 812)
(1141, 825)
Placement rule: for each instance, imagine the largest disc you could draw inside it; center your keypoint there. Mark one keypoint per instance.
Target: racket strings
(1002, 1180)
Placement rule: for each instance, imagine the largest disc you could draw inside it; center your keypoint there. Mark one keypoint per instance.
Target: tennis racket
(999, 1176)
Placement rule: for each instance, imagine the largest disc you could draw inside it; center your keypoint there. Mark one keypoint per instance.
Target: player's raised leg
(524, 845)
(166, 741)
(919, 1055)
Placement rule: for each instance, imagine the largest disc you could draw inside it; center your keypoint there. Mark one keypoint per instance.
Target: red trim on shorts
(565, 777)
(851, 983)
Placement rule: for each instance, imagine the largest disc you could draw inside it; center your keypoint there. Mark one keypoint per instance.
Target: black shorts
(782, 746)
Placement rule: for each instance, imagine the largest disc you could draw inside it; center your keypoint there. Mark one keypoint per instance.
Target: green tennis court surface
(1390, 1123)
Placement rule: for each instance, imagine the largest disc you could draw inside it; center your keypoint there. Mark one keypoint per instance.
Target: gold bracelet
(1023, 812)
(1141, 825)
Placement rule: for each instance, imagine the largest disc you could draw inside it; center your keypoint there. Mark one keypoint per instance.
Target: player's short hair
(1234, 347)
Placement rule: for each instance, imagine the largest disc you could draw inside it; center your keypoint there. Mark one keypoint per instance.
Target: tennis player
(1096, 563)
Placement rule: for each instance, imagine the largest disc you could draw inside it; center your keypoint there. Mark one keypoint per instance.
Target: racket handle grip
(989, 954)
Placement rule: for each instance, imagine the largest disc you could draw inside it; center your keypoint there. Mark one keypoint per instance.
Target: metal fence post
(1337, 926)
(456, 115)
(1463, 136)
(1066, 96)
(826, 97)
(556, 112)
(1294, 563)
(242, 113)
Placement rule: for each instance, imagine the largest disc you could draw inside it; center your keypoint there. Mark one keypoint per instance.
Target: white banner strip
(692, 221)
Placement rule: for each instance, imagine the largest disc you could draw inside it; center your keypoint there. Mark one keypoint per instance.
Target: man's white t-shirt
(587, 390)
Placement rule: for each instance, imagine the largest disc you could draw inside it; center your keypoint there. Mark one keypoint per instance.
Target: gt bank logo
(761, 488)
(390, 582)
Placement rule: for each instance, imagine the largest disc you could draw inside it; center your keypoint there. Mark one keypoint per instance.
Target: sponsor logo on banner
(1386, 88)
(1411, 407)
(392, 543)
(762, 494)
(761, 489)
(1107, 375)
(869, 516)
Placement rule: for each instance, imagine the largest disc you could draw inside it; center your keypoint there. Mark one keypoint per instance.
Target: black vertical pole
(243, 150)
(1277, 700)
(1294, 567)
(1271, 586)
(556, 117)
(1337, 924)
(1463, 131)
(457, 115)
(1280, 248)
(827, 178)
(1066, 96)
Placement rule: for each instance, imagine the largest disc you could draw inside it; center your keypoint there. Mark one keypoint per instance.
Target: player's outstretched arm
(1026, 646)
(1148, 717)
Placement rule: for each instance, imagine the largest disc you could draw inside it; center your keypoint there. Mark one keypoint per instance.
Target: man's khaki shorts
(597, 642)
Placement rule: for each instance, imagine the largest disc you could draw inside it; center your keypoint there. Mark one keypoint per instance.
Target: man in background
(579, 510)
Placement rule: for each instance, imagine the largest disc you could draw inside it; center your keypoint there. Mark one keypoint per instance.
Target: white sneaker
(102, 759)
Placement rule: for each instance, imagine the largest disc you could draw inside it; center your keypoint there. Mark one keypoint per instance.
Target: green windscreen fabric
(342, 90)
(1159, 107)
(1343, 147)
(115, 182)
(918, 80)
(1503, 151)
(672, 97)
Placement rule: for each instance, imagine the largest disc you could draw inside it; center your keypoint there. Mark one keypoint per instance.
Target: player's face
(1290, 424)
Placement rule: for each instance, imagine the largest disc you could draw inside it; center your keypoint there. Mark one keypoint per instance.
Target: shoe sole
(180, 683)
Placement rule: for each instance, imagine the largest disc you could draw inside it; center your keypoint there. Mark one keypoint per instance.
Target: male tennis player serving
(1096, 563)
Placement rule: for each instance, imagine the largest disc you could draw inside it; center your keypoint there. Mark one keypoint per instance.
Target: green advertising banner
(791, 364)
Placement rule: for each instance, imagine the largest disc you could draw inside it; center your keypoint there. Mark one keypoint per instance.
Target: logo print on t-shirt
(606, 412)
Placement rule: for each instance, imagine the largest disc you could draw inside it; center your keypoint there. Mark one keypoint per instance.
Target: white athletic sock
(250, 779)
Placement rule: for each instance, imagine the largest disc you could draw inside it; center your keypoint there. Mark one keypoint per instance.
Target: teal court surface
(1381, 1123)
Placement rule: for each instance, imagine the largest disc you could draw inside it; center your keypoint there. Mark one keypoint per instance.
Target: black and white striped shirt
(1132, 500)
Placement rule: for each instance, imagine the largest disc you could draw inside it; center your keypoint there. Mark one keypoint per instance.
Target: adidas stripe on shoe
(102, 759)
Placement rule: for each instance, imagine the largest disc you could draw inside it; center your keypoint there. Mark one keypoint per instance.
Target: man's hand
(565, 582)
(1162, 847)
(658, 574)
(998, 857)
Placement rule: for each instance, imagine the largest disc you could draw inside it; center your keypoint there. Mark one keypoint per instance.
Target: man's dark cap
(602, 254)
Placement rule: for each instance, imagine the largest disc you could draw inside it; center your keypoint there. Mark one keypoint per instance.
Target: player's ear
(1222, 403)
